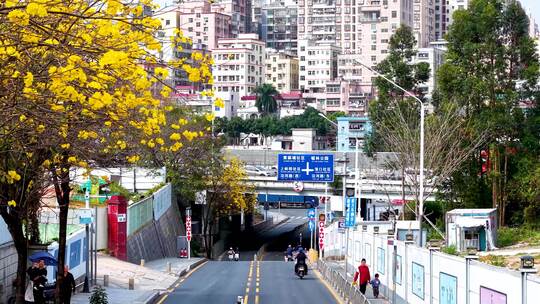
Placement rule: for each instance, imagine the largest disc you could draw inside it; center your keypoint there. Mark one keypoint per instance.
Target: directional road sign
(311, 226)
(311, 213)
(350, 211)
(306, 167)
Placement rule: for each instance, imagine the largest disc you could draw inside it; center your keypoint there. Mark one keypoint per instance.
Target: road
(259, 282)
(256, 282)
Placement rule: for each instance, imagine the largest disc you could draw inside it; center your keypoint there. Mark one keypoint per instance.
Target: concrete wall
(157, 239)
(424, 276)
(8, 270)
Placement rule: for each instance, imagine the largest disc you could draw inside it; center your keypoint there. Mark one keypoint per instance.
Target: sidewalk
(149, 279)
(340, 267)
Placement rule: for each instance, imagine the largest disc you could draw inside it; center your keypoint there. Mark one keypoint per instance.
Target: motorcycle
(231, 255)
(236, 256)
(301, 271)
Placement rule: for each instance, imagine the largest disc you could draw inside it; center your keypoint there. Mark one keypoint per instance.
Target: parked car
(256, 171)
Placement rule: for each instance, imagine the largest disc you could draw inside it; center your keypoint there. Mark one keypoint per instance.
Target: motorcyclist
(237, 254)
(288, 253)
(230, 253)
(300, 260)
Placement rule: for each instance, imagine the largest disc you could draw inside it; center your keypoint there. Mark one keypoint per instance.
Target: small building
(472, 229)
(351, 129)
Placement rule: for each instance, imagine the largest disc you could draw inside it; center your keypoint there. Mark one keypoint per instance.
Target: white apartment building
(282, 70)
(318, 64)
(434, 56)
(239, 64)
(317, 20)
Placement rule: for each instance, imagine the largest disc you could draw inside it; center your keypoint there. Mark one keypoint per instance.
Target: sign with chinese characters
(447, 289)
(350, 211)
(306, 167)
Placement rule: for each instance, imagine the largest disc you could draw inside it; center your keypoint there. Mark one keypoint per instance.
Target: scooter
(231, 256)
(301, 271)
(236, 256)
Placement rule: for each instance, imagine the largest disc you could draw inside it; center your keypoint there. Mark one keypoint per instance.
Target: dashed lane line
(166, 295)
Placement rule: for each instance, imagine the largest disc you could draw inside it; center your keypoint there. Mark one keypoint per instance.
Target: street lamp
(422, 114)
(357, 189)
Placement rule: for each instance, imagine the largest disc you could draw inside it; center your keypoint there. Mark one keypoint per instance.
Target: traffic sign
(341, 225)
(311, 226)
(306, 167)
(350, 212)
(311, 213)
(188, 228)
(321, 235)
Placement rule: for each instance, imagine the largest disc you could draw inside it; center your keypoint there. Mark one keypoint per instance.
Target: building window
(167, 22)
(394, 14)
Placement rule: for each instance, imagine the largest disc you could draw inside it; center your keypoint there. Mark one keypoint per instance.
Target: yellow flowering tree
(80, 86)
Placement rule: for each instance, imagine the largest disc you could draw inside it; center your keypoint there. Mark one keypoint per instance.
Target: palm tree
(266, 103)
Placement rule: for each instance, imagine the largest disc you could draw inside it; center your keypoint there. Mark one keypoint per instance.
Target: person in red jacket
(362, 275)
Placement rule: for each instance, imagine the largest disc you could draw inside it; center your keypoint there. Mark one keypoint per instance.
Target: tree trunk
(62, 190)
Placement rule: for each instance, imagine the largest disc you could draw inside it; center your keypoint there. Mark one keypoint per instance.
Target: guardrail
(349, 293)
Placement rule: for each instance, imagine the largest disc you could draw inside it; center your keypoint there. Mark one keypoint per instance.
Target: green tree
(266, 102)
(396, 122)
(491, 66)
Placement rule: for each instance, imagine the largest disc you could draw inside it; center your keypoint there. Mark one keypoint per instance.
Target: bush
(495, 260)
(450, 250)
(510, 236)
(99, 296)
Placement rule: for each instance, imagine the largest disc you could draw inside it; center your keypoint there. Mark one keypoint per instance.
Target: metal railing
(350, 294)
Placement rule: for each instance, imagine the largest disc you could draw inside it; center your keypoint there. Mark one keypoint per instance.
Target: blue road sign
(306, 167)
(350, 211)
(311, 213)
(311, 225)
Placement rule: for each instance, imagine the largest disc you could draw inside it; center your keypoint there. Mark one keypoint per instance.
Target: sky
(532, 6)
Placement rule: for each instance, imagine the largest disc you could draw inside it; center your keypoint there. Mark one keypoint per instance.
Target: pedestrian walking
(68, 287)
(375, 283)
(361, 276)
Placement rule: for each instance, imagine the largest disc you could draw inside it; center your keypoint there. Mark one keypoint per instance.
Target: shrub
(450, 250)
(495, 260)
(510, 236)
(99, 296)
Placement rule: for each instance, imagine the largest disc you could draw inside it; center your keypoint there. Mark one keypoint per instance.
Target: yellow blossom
(175, 136)
(28, 79)
(22, 118)
(36, 9)
(133, 158)
(209, 116)
(13, 176)
(12, 203)
(19, 17)
(72, 159)
(219, 103)
(65, 146)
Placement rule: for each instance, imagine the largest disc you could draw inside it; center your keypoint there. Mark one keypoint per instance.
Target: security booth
(472, 229)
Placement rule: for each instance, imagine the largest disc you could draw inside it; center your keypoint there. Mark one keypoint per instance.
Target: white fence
(410, 274)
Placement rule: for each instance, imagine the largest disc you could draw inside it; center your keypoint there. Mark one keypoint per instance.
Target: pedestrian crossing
(304, 218)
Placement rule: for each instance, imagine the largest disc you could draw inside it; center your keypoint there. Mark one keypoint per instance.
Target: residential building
(199, 21)
(341, 96)
(204, 104)
(279, 25)
(291, 104)
(256, 16)
(281, 70)
(434, 56)
(351, 129)
(441, 19)
(239, 64)
(318, 64)
(247, 108)
(317, 20)
(240, 13)
(423, 22)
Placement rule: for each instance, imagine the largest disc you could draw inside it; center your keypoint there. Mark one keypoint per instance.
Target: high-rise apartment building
(318, 64)
(239, 12)
(423, 22)
(279, 25)
(197, 21)
(282, 70)
(317, 20)
(239, 64)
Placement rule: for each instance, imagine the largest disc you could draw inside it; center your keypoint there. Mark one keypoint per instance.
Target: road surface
(256, 282)
(259, 282)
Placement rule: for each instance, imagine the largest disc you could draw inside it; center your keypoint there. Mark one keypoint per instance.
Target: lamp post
(422, 116)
